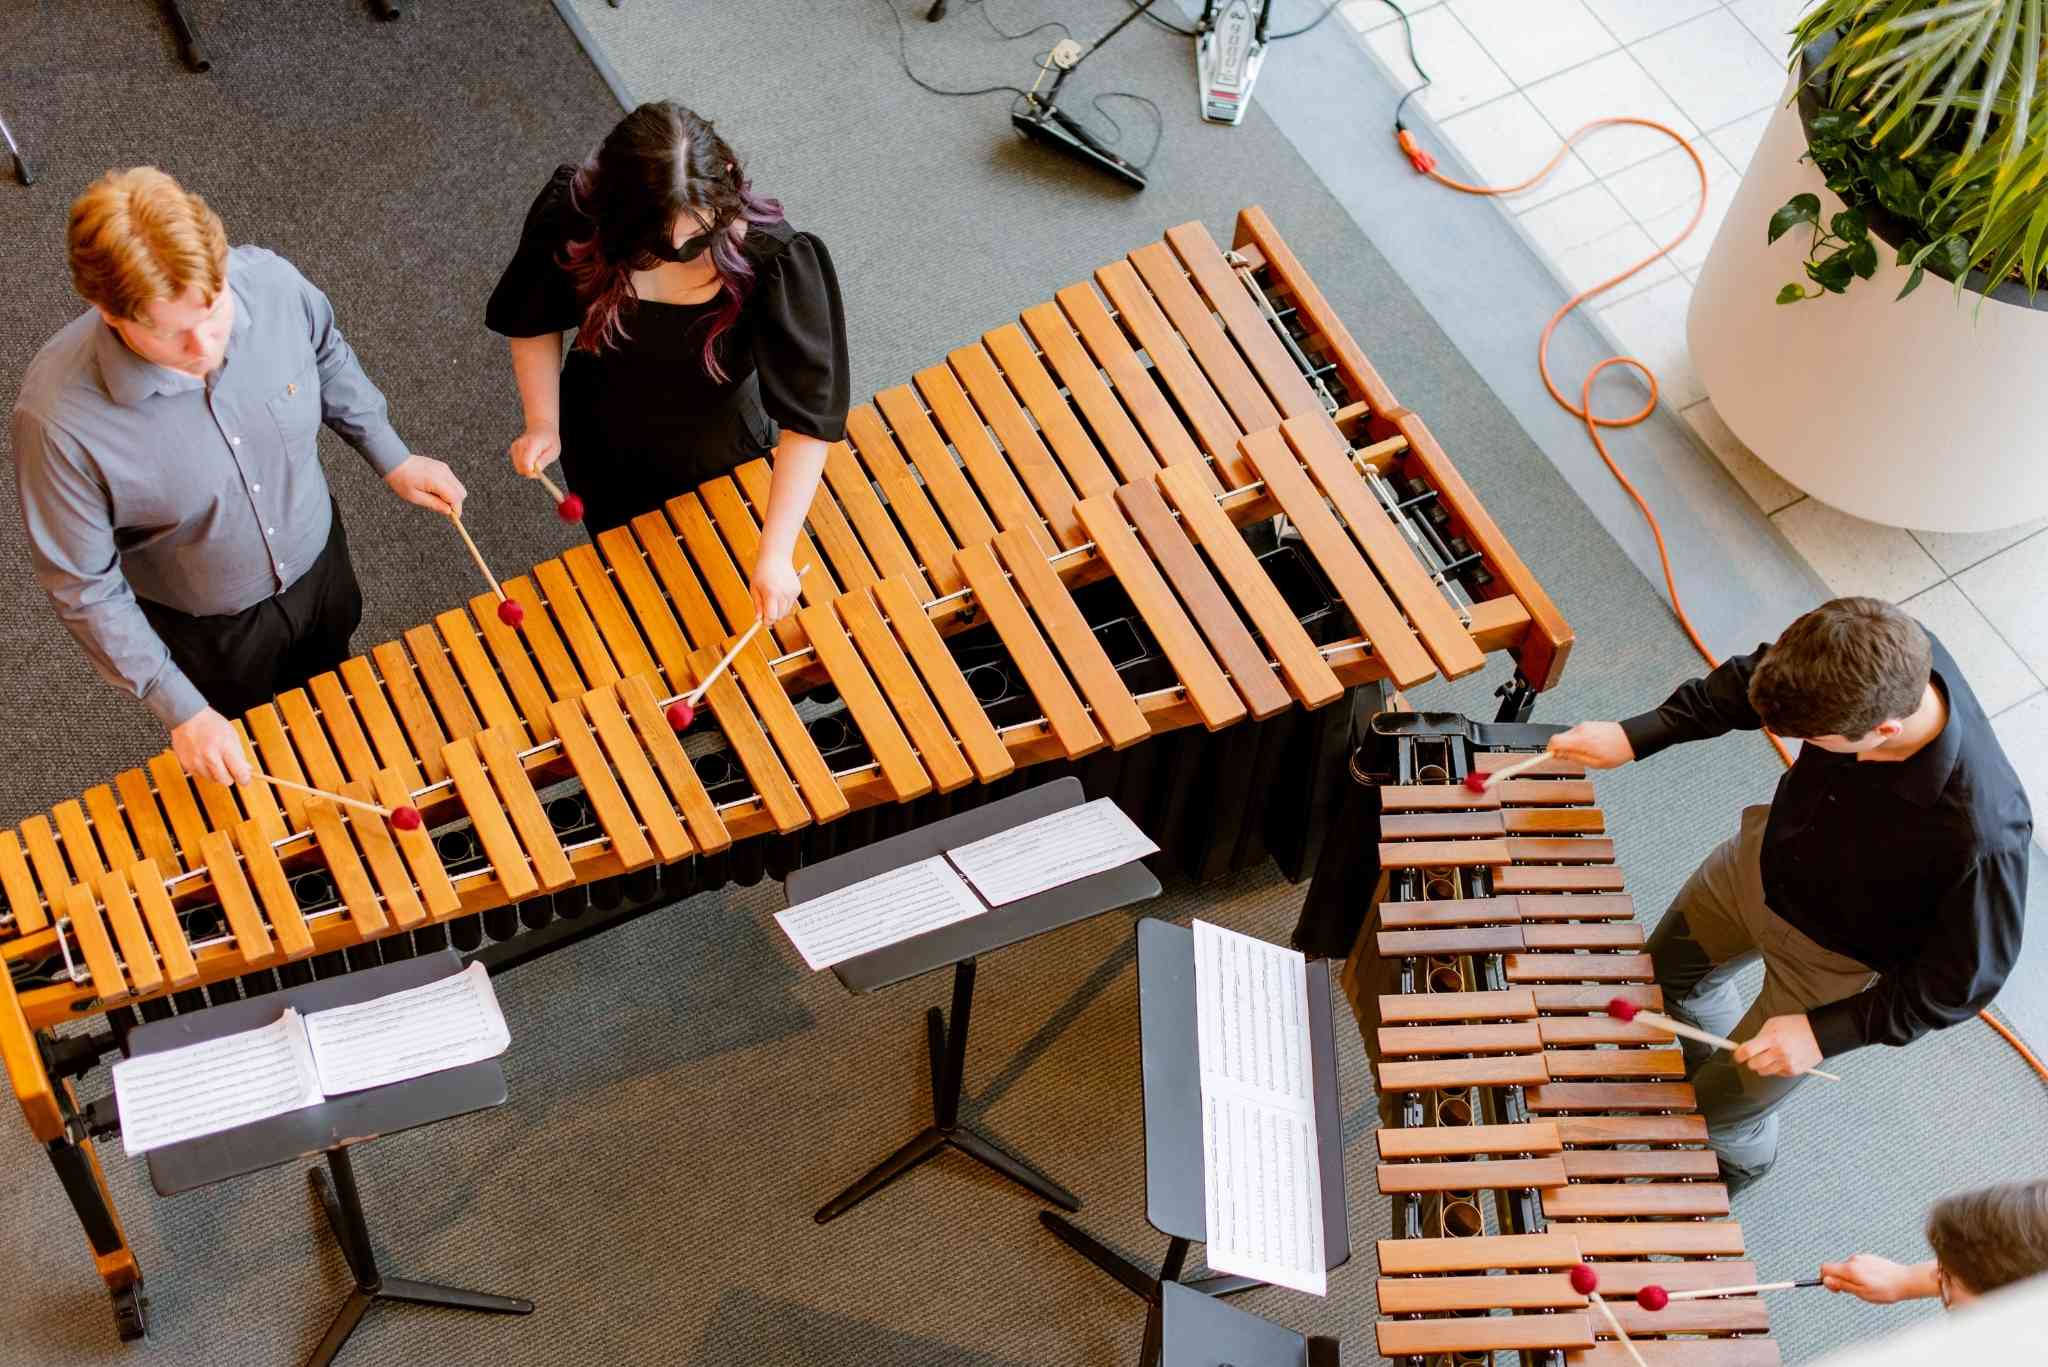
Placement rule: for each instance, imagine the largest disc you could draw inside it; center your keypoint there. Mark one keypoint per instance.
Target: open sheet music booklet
(1065, 847)
(1261, 1169)
(301, 1060)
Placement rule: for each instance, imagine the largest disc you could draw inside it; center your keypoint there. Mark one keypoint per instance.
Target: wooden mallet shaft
(548, 485)
(1663, 1022)
(1520, 766)
(696, 695)
(1714, 1292)
(470, 542)
(1600, 1304)
(272, 779)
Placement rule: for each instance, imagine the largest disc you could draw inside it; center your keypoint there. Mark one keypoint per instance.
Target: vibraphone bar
(1522, 1129)
(1124, 536)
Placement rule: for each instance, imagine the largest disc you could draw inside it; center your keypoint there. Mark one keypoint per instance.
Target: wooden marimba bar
(1062, 541)
(1523, 1129)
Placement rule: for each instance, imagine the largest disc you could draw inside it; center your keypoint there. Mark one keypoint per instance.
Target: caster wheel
(131, 1313)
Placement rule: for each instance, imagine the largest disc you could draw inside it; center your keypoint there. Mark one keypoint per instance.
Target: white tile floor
(1512, 77)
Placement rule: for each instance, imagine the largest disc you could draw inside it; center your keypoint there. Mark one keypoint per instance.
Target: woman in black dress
(708, 332)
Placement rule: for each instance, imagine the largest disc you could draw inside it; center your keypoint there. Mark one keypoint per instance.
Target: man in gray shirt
(166, 455)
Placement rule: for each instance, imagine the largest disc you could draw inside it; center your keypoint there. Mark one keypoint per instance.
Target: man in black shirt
(1885, 885)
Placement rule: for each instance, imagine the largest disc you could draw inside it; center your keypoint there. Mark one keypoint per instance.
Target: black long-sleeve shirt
(1917, 868)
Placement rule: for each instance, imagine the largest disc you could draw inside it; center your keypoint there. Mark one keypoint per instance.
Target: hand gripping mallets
(683, 710)
(1624, 1010)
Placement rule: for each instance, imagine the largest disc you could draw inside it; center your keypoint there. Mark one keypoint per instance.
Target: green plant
(1934, 110)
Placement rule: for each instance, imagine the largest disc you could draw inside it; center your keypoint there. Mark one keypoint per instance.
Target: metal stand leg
(1139, 1282)
(188, 41)
(1517, 699)
(344, 1208)
(946, 1040)
(23, 172)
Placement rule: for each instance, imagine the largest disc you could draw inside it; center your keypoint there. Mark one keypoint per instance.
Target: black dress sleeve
(1701, 708)
(535, 295)
(800, 340)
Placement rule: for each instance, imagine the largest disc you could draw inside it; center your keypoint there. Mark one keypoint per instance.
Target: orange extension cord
(1583, 409)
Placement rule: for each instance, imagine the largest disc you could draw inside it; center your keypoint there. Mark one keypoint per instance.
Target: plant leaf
(1849, 225)
(1791, 294)
(1955, 254)
(1796, 210)
(1912, 283)
(1898, 189)
(1863, 258)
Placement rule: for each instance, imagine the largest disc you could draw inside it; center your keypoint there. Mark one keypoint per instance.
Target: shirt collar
(130, 379)
(1923, 777)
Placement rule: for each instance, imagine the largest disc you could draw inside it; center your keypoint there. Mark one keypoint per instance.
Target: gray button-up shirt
(203, 495)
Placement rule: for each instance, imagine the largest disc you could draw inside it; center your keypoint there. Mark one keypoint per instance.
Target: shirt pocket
(295, 408)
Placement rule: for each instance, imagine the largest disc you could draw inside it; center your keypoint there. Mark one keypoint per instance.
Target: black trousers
(244, 658)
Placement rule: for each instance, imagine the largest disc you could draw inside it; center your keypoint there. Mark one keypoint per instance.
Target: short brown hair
(137, 237)
(1994, 1237)
(1841, 669)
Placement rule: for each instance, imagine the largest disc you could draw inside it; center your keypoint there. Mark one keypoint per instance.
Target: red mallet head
(570, 509)
(510, 613)
(1476, 781)
(405, 818)
(681, 714)
(1622, 1009)
(1585, 1280)
(1653, 1297)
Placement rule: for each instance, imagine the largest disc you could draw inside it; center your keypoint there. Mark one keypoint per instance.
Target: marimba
(1178, 494)
(1523, 1129)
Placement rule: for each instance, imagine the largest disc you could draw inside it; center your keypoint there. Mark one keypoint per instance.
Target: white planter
(1925, 413)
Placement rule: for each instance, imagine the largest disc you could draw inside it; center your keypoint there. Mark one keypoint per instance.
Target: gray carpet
(684, 1095)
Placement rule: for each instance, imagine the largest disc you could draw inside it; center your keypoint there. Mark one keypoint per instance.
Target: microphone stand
(1042, 121)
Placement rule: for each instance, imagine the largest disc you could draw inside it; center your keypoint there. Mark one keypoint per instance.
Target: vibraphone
(1180, 495)
(1522, 1129)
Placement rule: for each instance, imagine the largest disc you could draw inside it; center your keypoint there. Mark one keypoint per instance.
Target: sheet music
(1262, 1169)
(215, 1085)
(1062, 848)
(878, 911)
(427, 1029)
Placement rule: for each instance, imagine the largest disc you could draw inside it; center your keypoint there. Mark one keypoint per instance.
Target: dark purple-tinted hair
(661, 162)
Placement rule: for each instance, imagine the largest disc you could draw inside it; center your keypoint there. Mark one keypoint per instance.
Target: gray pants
(1717, 924)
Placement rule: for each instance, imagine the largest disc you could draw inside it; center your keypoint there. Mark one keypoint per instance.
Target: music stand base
(1141, 1281)
(344, 1211)
(948, 1052)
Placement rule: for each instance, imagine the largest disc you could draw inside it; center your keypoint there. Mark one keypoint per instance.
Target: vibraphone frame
(1140, 430)
(1501, 930)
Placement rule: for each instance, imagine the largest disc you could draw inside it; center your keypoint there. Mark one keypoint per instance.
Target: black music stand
(958, 944)
(1201, 1331)
(330, 1129)
(1174, 1174)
